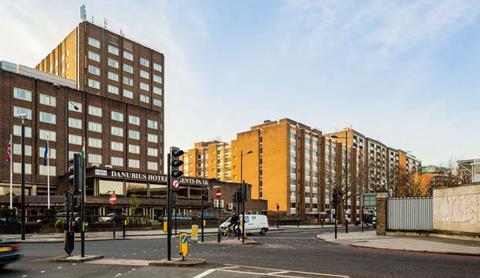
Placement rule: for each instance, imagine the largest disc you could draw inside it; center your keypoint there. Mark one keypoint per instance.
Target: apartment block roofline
(37, 74)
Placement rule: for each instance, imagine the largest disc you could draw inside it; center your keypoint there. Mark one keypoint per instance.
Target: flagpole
(11, 172)
(48, 175)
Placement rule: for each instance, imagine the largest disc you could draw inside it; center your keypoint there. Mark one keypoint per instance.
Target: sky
(406, 73)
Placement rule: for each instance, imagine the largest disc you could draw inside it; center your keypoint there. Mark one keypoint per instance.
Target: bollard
(194, 235)
(165, 226)
(124, 227)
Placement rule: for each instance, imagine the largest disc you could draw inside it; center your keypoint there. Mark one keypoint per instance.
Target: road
(293, 253)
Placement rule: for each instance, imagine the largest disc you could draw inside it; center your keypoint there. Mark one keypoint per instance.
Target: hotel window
(127, 81)
(93, 42)
(95, 127)
(128, 55)
(51, 152)
(47, 118)
(17, 168)
(94, 84)
(117, 146)
(144, 74)
(117, 116)
(152, 165)
(127, 93)
(157, 102)
(17, 131)
(117, 161)
(144, 62)
(94, 158)
(134, 120)
(153, 138)
(17, 111)
(75, 123)
(48, 135)
(48, 100)
(17, 149)
(144, 86)
(73, 104)
(95, 143)
(152, 124)
(153, 152)
(94, 111)
(157, 91)
(117, 131)
(112, 76)
(44, 170)
(157, 78)
(22, 94)
(133, 134)
(144, 98)
(93, 70)
(112, 49)
(133, 149)
(134, 163)
(157, 67)
(113, 89)
(75, 139)
(93, 56)
(113, 63)
(127, 68)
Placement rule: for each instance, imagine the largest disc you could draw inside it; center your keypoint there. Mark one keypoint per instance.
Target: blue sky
(403, 72)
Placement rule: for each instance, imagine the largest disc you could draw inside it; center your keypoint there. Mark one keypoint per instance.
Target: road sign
(183, 245)
(113, 199)
(175, 184)
(218, 193)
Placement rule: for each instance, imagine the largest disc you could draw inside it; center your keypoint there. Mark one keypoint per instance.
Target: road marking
(59, 267)
(205, 273)
(43, 271)
(292, 272)
(118, 275)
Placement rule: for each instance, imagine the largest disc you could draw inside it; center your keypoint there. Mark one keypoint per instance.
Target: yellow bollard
(194, 236)
(165, 226)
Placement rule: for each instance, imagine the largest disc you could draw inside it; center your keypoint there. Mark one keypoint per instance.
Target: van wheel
(263, 231)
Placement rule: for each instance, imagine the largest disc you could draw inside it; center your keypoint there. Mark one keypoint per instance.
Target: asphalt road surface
(281, 254)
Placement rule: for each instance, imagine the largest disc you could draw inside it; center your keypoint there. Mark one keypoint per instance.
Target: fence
(410, 214)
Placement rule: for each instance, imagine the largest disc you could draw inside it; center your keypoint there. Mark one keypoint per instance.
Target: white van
(254, 223)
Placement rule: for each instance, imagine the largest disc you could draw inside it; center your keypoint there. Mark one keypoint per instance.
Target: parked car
(109, 217)
(9, 252)
(64, 214)
(180, 217)
(206, 216)
(254, 223)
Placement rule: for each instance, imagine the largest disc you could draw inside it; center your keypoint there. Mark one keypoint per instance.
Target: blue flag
(45, 155)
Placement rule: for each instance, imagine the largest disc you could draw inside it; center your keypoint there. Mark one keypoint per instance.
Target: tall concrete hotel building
(97, 87)
(295, 166)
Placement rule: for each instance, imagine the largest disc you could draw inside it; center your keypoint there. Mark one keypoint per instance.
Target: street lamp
(22, 228)
(243, 192)
(346, 175)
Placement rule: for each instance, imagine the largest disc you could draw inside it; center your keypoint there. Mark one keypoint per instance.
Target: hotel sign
(132, 176)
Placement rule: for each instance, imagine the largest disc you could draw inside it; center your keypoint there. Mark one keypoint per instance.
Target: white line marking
(205, 273)
(278, 272)
(281, 270)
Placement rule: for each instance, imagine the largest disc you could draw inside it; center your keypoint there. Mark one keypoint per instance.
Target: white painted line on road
(59, 267)
(277, 270)
(43, 271)
(205, 273)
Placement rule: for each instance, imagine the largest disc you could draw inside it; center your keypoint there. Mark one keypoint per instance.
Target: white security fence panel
(410, 214)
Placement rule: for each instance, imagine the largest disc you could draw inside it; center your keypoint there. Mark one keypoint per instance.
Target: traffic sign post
(218, 196)
(113, 199)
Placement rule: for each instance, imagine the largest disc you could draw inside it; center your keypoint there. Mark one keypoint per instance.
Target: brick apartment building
(297, 166)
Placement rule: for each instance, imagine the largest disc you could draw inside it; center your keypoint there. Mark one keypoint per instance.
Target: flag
(9, 150)
(45, 155)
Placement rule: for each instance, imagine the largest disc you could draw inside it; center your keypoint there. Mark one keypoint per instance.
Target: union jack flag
(9, 150)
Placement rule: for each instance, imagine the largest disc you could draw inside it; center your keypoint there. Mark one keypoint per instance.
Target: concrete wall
(457, 209)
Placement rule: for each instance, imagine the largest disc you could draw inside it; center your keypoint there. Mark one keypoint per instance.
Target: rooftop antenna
(121, 33)
(83, 12)
(105, 23)
(92, 19)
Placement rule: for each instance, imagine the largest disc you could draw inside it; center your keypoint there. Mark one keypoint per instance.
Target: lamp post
(346, 176)
(243, 192)
(22, 228)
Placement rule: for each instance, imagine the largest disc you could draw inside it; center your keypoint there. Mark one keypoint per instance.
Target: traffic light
(205, 194)
(335, 198)
(243, 196)
(75, 172)
(236, 197)
(175, 162)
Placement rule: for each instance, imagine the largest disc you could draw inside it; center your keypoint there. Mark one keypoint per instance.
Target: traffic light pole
(336, 215)
(169, 211)
(82, 204)
(201, 224)
(23, 180)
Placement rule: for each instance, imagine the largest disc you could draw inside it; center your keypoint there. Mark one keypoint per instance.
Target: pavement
(287, 253)
(370, 239)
